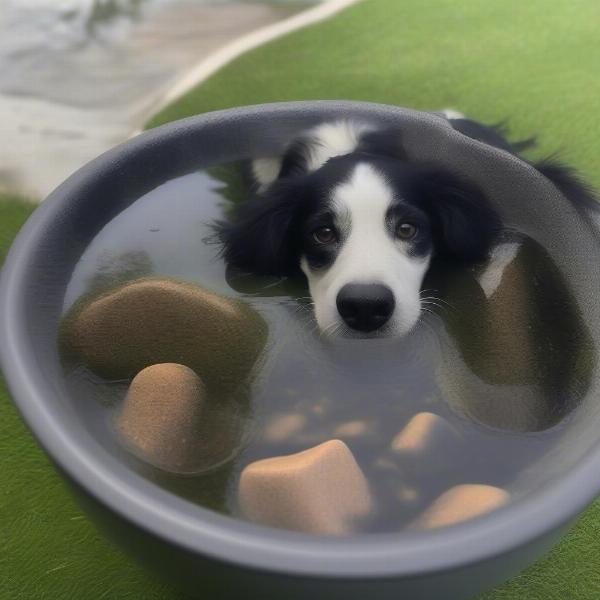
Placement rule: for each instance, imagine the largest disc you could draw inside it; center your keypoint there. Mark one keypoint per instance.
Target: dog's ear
(261, 240)
(463, 222)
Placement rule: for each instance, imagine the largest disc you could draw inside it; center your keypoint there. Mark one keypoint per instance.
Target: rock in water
(425, 434)
(153, 320)
(460, 503)
(521, 356)
(161, 416)
(321, 490)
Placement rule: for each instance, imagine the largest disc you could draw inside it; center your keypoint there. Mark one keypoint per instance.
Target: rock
(506, 283)
(460, 503)
(384, 464)
(491, 314)
(352, 429)
(161, 415)
(425, 433)
(153, 320)
(283, 427)
(521, 357)
(321, 490)
(407, 494)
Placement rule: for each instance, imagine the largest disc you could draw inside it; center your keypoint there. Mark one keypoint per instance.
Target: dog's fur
(345, 207)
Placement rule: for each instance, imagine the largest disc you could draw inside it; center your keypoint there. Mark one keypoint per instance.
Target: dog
(345, 208)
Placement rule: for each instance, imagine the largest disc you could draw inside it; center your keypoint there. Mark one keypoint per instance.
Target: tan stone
(321, 490)
(161, 415)
(384, 463)
(407, 494)
(351, 429)
(153, 320)
(460, 503)
(424, 432)
(283, 427)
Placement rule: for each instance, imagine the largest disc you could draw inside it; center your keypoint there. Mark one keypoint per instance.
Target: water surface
(361, 391)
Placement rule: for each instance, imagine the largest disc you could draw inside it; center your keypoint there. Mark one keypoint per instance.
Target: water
(508, 409)
(78, 77)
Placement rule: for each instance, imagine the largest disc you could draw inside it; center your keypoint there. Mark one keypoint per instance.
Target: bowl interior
(45, 274)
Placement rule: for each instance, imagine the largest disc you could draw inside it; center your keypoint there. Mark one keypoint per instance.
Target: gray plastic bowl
(217, 556)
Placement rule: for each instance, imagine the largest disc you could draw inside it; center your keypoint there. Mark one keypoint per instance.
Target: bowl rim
(225, 538)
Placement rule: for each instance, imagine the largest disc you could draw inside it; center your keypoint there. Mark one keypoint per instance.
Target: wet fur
(359, 180)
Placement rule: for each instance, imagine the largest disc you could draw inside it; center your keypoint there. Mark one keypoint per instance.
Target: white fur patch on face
(369, 254)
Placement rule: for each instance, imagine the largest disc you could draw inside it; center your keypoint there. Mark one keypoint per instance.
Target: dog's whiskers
(332, 329)
(435, 301)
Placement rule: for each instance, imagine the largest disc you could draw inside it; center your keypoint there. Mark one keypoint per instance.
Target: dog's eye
(406, 231)
(324, 235)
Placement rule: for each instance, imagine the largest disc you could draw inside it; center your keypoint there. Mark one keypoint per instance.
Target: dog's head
(363, 228)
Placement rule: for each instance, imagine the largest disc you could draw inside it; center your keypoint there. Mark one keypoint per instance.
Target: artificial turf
(48, 548)
(536, 62)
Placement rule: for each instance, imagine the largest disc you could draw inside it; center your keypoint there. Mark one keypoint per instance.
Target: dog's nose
(365, 307)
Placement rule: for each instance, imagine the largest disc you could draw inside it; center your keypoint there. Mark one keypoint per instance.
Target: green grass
(14, 211)
(536, 62)
(48, 548)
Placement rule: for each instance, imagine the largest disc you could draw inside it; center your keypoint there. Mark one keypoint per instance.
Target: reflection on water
(491, 363)
(79, 76)
(526, 354)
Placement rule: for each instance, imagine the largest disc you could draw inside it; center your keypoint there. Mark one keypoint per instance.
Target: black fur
(569, 182)
(567, 179)
(463, 223)
(262, 239)
(382, 143)
(273, 229)
(295, 159)
(493, 135)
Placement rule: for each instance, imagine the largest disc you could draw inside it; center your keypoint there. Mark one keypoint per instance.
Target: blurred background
(80, 76)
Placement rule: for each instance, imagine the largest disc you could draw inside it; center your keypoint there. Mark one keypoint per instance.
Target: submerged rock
(168, 420)
(161, 416)
(283, 427)
(425, 433)
(321, 490)
(521, 356)
(460, 503)
(353, 429)
(154, 320)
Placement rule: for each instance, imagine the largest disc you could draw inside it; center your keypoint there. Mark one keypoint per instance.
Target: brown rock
(522, 356)
(492, 312)
(152, 320)
(507, 285)
(460, 503)
(425, 432)
(321, 490)
(160, 419)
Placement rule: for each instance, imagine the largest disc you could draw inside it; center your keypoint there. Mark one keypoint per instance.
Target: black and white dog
(345, 207)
